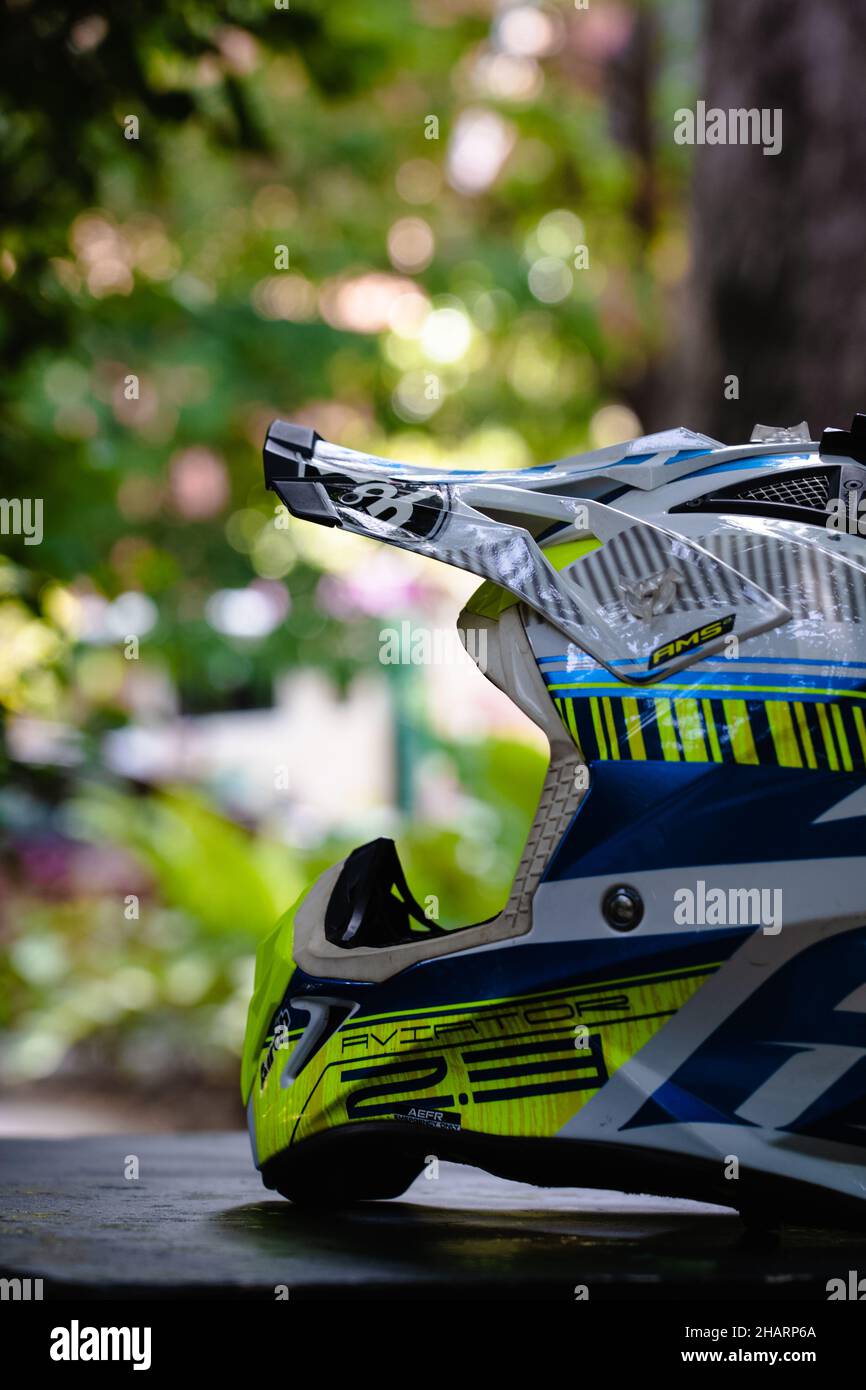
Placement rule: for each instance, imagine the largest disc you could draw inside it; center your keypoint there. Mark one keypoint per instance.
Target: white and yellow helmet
(678, 977)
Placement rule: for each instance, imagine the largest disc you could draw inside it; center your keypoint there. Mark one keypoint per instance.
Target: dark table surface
(197, 1222)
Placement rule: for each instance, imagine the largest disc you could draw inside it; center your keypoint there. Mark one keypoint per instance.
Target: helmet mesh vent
(795, 494)
(810, 490)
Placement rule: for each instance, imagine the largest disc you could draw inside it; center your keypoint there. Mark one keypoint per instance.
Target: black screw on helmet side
(622, 907)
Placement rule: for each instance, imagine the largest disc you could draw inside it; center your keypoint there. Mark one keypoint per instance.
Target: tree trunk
(779, 270)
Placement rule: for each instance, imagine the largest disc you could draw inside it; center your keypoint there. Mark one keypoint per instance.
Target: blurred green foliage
(164, 296)
(163, 976)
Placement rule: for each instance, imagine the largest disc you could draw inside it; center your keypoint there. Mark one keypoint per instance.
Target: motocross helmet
(673, 998)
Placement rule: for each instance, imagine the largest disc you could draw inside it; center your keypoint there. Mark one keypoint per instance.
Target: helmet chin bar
(464, 523)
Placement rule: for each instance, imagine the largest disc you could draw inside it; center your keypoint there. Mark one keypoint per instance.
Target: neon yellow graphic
(784, 738)
(514, 1066)
(491, 599)
(737, 717)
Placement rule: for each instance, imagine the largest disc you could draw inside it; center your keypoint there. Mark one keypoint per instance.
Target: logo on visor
(415, 509)
(696, 638)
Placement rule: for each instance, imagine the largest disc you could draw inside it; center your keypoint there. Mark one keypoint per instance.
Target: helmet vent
(794, 494)
(810, 490)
